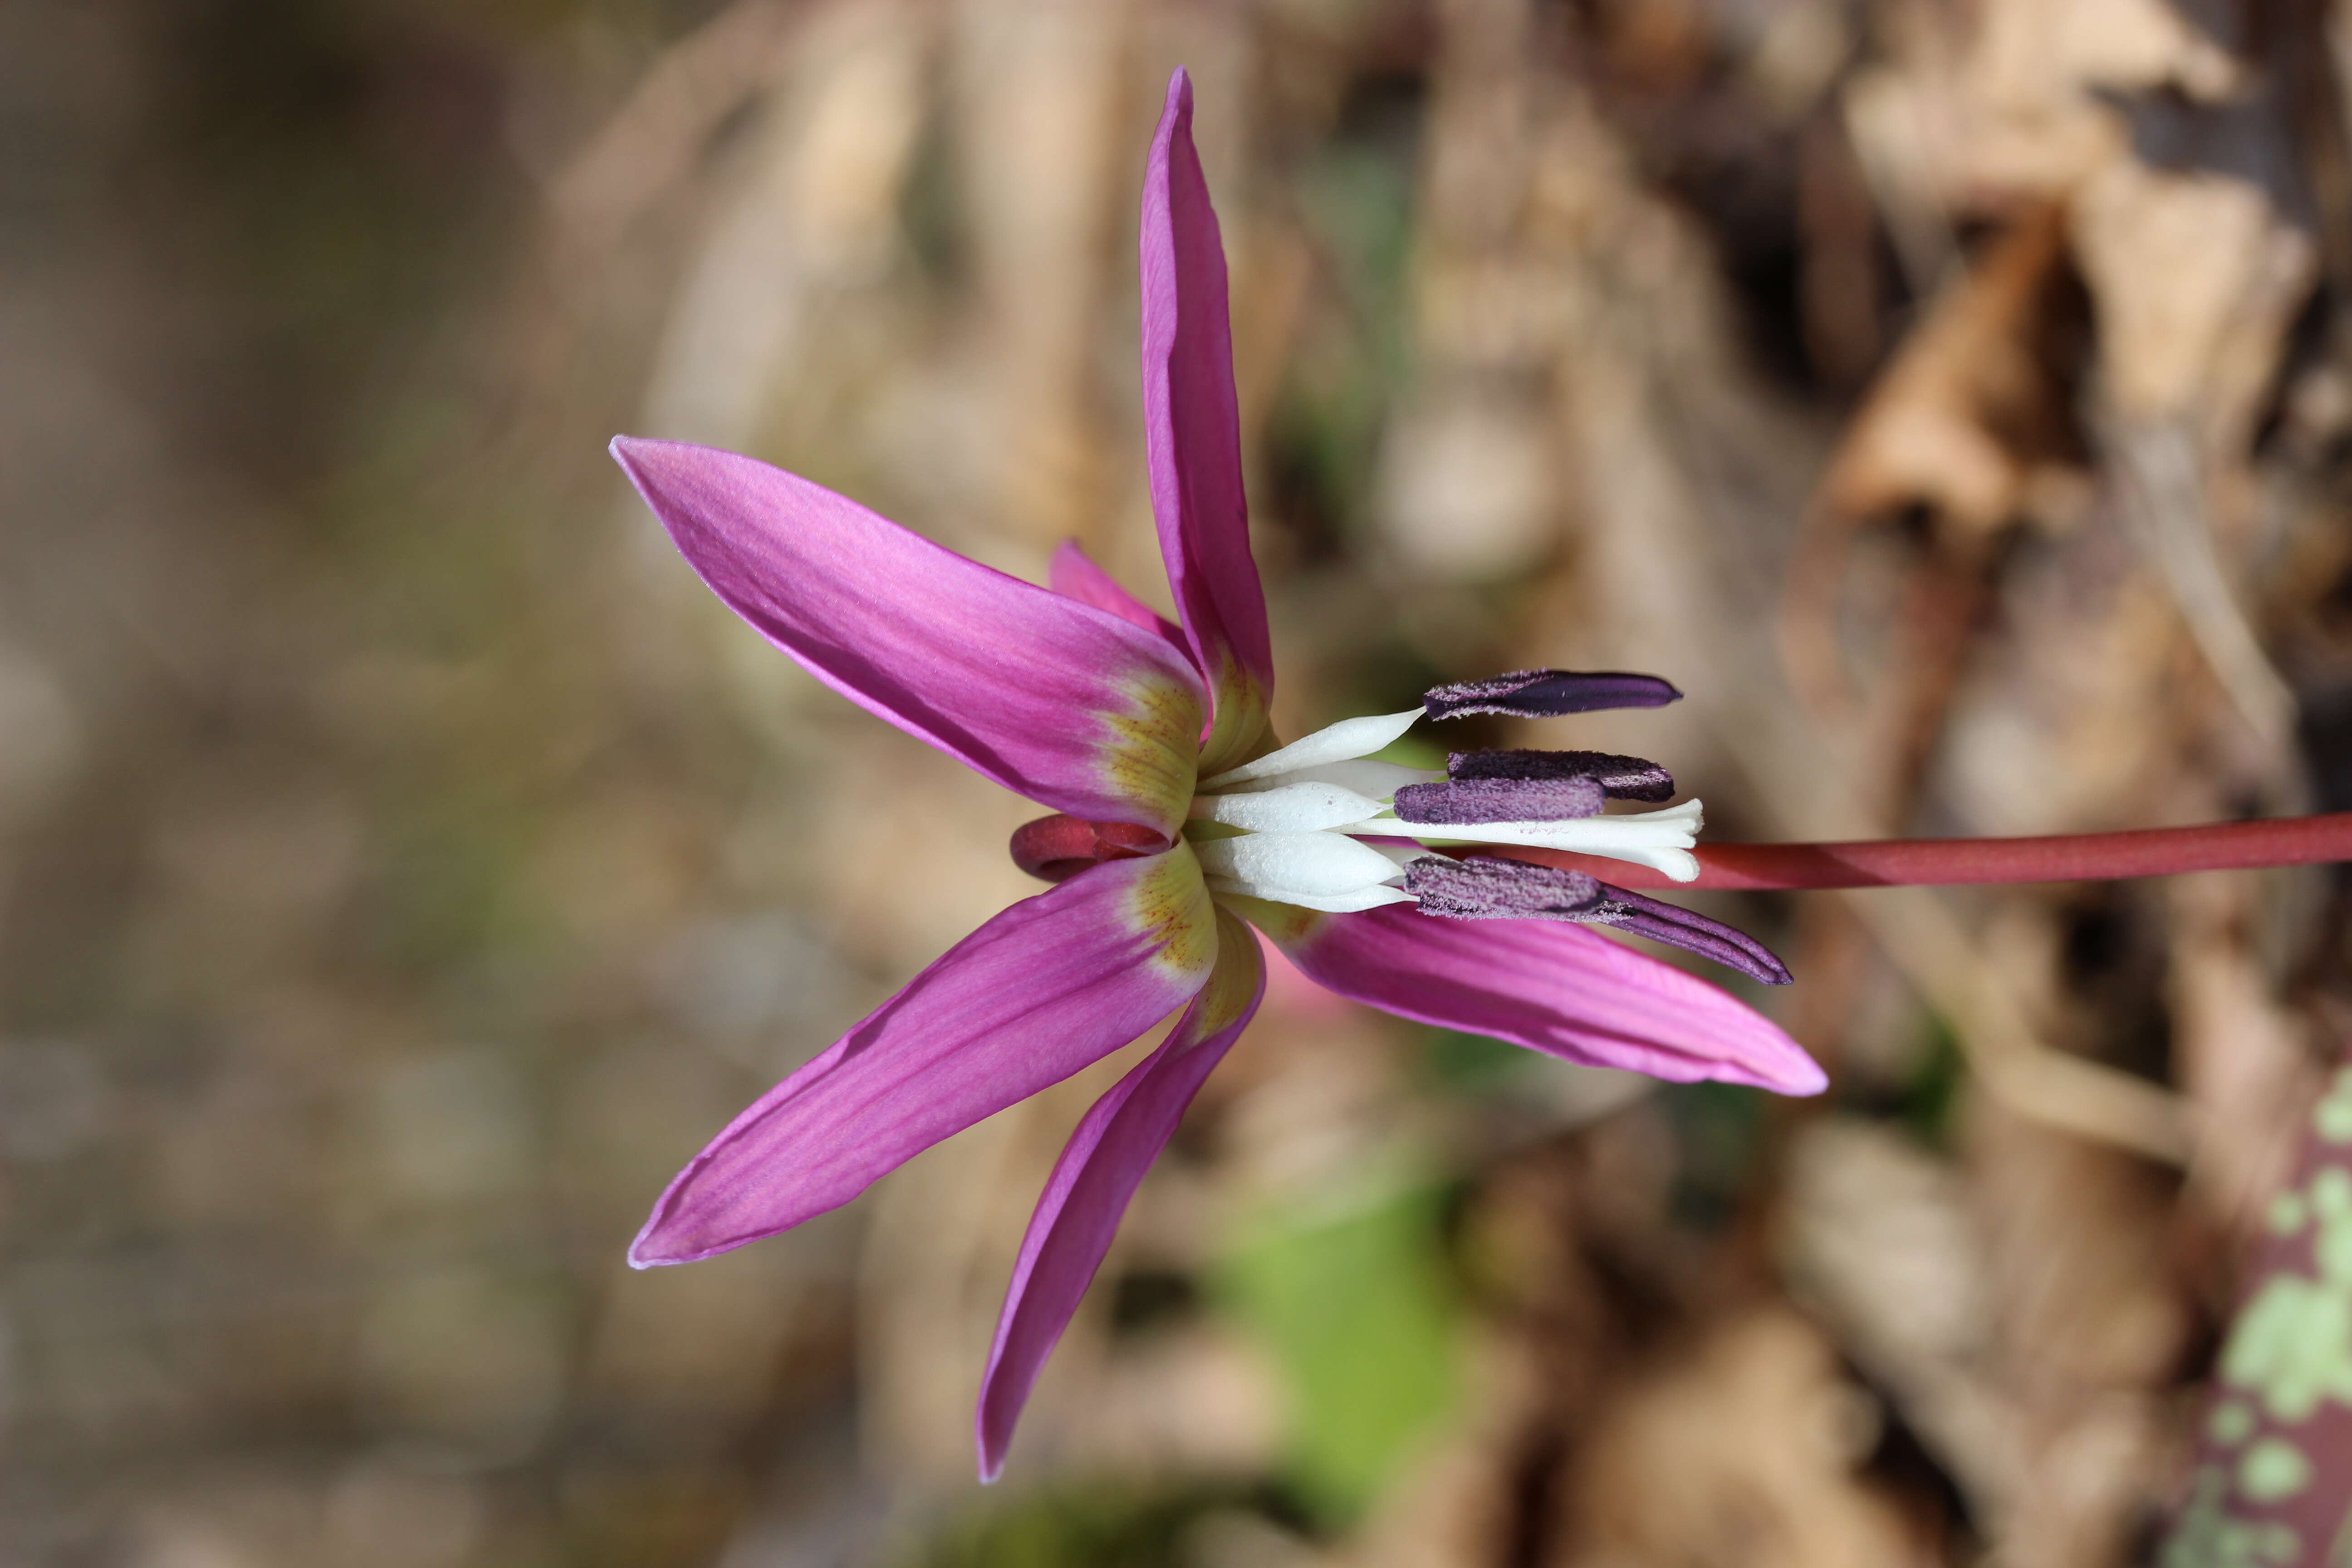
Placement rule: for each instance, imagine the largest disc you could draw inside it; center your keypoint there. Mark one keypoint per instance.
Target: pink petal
(1115, 1144)
(1547, 985)
(1192, 431)
(1043, 989)
(1071, 707)
(1075, 574)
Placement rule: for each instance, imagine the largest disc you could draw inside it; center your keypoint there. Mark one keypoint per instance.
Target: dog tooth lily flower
(1179, 824)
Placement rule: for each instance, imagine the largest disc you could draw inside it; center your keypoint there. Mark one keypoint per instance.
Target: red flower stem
(1948, 862)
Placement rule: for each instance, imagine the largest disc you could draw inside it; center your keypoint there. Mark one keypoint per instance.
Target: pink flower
(1083, 699)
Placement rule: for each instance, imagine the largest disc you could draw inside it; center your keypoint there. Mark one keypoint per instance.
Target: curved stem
(1946, 862)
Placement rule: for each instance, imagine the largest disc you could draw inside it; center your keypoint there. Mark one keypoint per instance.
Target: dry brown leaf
(1742, 1455)
(2195, 278)
(1973, 414)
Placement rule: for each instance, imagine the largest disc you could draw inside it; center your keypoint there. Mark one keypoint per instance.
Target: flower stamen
(1462, 802)
(1621, 778)
(1549, 694)
(1484, 888)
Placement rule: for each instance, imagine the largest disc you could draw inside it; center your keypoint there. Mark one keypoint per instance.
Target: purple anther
(1458, 803)
(1675, 927)
(1622, 778)
(1489, 887)
(1548, 694)
(1485, 887)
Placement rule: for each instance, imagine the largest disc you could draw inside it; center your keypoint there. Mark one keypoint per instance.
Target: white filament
(1274, 865)
(1292, 808)
(1400, 855)
(1662, 839)
(1338, 904)
(1341, 743)
(1377, 781)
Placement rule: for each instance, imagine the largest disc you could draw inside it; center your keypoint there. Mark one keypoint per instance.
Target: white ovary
(1306, 814)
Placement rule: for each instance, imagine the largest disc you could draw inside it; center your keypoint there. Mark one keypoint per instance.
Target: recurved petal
(1071, 706)
(1192, 431)
(1046, 987)
(1074, 575)
(1549, 986)
(1097, 1173)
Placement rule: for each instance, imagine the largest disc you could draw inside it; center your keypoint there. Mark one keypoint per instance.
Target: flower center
(1321, 825)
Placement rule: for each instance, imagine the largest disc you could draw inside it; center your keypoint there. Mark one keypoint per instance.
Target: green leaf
(1359, 1313)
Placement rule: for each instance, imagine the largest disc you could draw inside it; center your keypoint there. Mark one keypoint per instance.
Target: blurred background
(404, 865)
